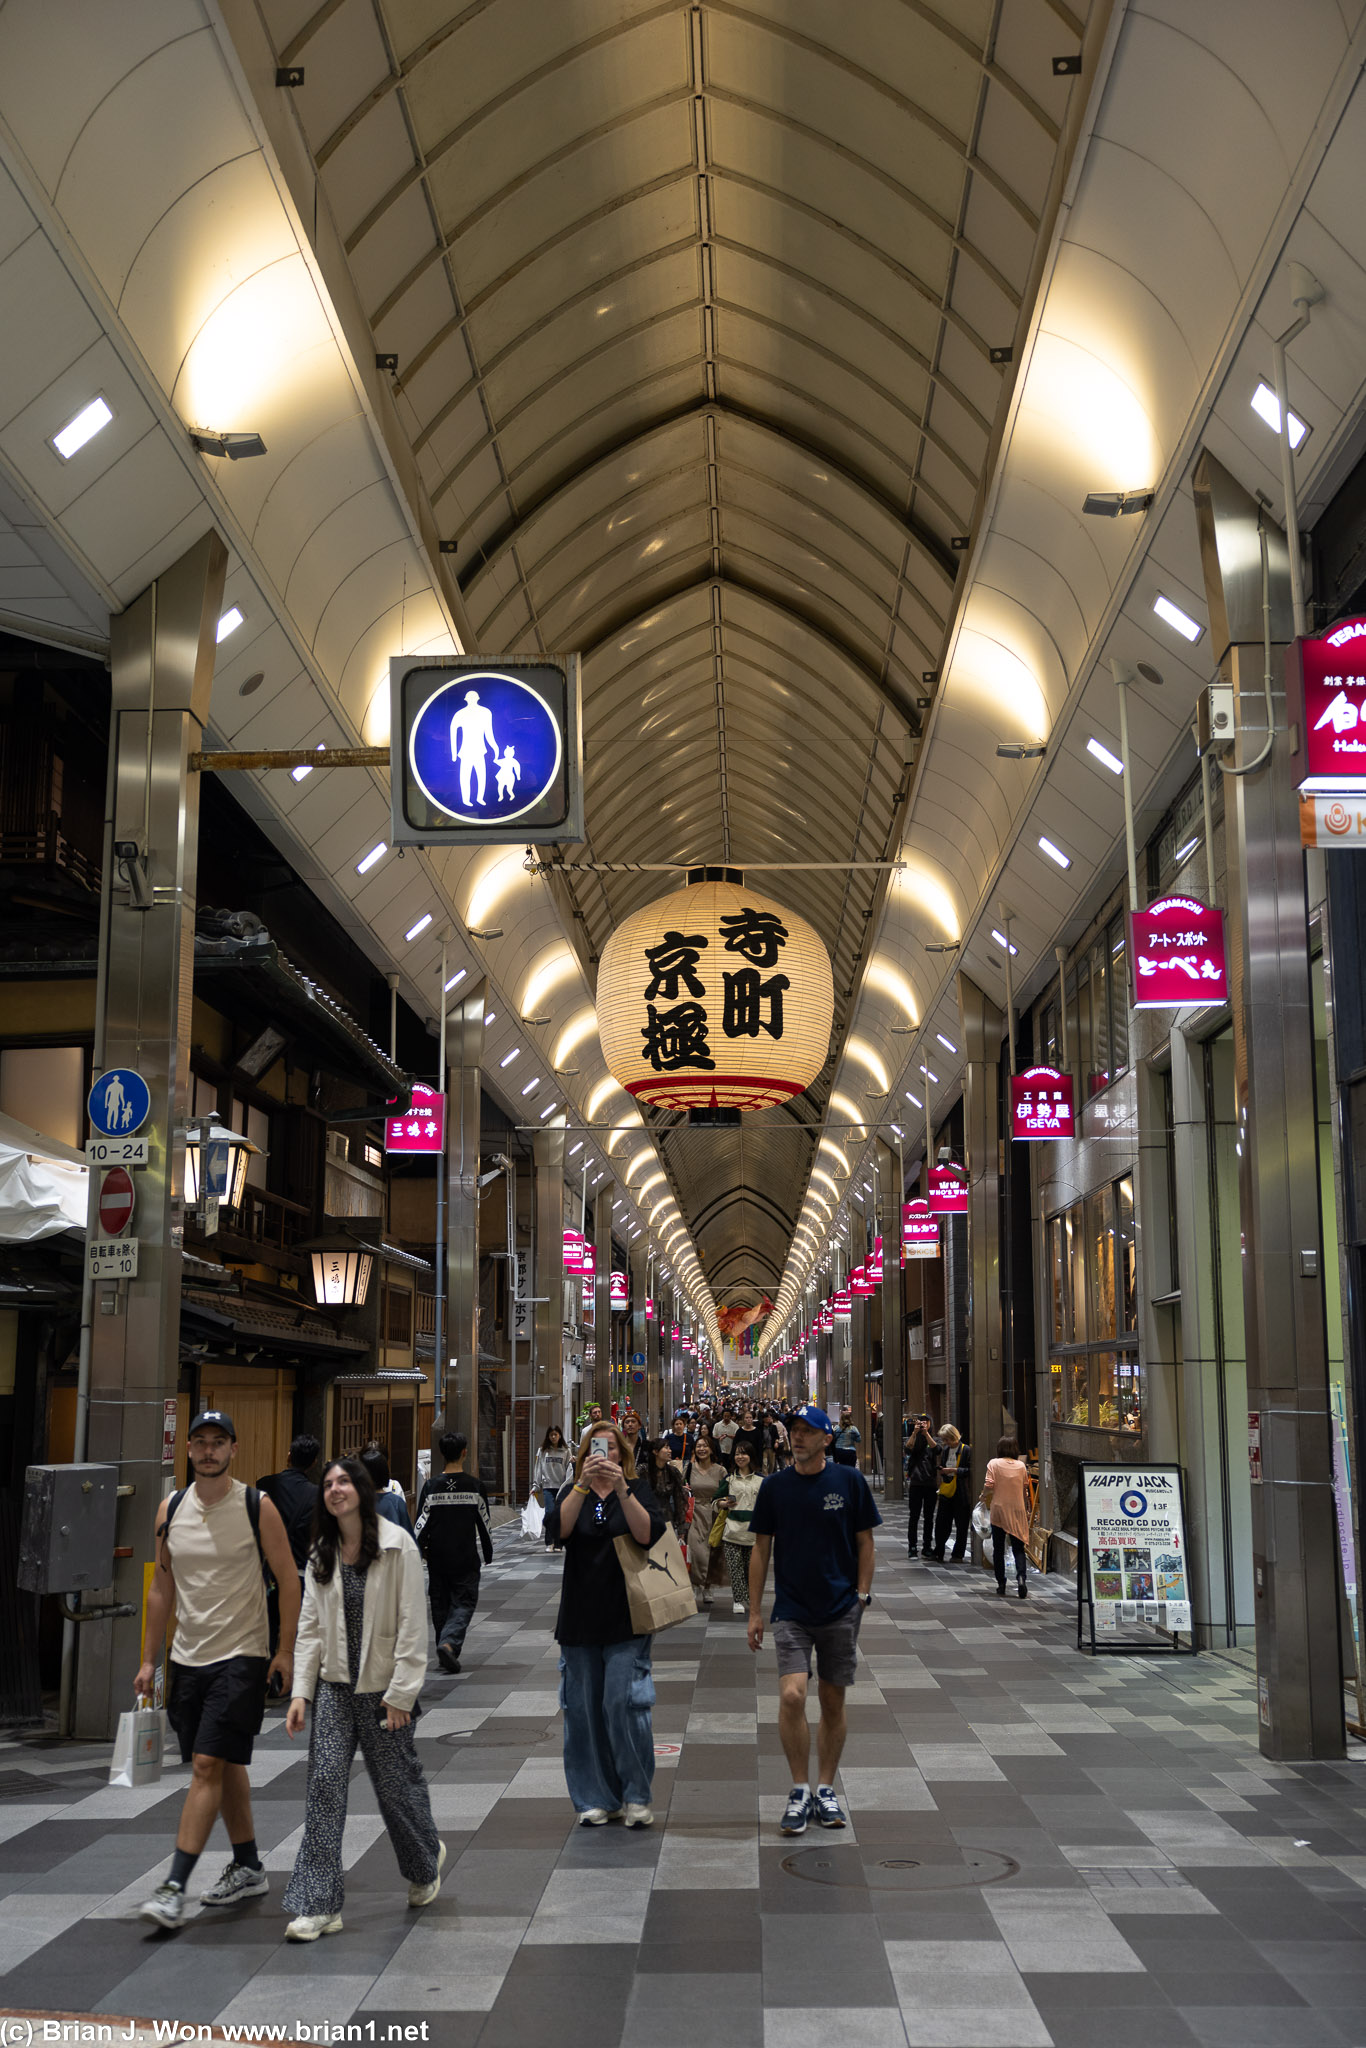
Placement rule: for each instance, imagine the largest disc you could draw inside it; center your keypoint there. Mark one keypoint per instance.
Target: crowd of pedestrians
(311, 1584)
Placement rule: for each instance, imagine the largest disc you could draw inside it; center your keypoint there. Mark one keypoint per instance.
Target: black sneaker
(446, 1657)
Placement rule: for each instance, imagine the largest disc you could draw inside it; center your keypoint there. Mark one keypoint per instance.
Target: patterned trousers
(737, 1564)
(342, 1719)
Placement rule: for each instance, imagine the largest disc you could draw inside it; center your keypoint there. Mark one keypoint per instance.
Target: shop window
(1094, 1376)
(1126, 1254)
(398, 1321)
(1071, 1379)
(1118, 1405)
(1119, 997)
(1100, 1263)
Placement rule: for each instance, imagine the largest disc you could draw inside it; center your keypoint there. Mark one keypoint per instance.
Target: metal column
(162, 657)
(639, 1396)
(547, 1152)
(893, 1323)
(654, 1372)
(981, 1024)
(458, 1397)
(601, 1375)
(860, 1336)
(1295, 1570)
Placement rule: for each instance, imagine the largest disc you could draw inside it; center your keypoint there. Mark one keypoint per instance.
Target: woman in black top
(667, 1485)
(606, 1689)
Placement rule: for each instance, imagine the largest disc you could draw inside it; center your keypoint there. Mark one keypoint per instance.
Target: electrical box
(67, 1541)
(1216, 715)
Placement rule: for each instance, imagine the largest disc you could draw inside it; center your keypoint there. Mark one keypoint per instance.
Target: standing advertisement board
(1133, 1569)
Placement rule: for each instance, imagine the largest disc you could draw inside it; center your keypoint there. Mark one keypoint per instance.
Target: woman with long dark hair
(361, 1657)
(553, 1461)
(666, 1482)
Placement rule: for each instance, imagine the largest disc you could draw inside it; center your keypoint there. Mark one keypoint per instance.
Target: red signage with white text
(617, 1290)
(1041, 1104)
(424, 1127)
(1176, 954)
(948, 1191)
(1329, 677)
(919, 1231)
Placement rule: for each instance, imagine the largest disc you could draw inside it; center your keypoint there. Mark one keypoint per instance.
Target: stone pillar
(547, 1196)
(1295, 1569)
(893, 1322)
(982, 1025)
(457, 1404)
(161, 658)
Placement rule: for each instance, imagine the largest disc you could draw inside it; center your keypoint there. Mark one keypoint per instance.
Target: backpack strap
(254, 1517)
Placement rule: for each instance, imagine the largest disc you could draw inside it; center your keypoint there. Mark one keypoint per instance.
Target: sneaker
(237, 1882)
(597, 1816)
(797, 1812)
(739, 1607)
(166, 1905)
(423, 1894)
(829, 1812)
(638, 1816)
(309, 1926)
(446, 1657)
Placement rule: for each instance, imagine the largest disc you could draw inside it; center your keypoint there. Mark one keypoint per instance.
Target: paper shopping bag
(658, 1589)
(138, 1748)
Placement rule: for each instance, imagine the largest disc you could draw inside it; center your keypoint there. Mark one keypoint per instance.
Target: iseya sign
(1331, 677)
(919, 1231)
(1176, 950)
(424, 1127)
(948, 1191)
(1041, 1104)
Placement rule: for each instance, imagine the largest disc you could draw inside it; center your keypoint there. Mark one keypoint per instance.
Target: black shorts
(217, 1709)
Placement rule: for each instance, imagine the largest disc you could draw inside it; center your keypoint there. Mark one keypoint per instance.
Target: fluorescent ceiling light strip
(298, 774)
(947, 1043)
(1004, 943)
(1267, 406)
(532, 1086)
(459, 975)
(1055, 853)
(229, 622)
(509, 1057)
(1179, 621)
(1105, 757)
(363, 867)
(416, 930)
(89, 421)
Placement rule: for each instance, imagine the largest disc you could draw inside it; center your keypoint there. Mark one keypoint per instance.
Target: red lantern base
(712, 1091)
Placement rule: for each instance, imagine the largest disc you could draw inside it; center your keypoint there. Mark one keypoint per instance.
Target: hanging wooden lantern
(715, 997)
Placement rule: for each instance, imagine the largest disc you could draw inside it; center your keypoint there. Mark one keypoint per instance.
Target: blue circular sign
(637, 1358)
(484, 748)
(1133, 1503)
(637, 1379)
(119, 1103)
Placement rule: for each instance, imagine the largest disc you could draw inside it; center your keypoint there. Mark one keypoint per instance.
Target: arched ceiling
(694, 309)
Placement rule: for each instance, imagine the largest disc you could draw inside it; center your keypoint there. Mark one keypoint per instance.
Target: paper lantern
(715, 997)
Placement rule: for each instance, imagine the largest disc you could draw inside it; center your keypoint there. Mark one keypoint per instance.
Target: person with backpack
(296, 1497)
(216, 1541)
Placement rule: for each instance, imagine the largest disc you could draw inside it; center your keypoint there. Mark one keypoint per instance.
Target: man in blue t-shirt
(822, 1517)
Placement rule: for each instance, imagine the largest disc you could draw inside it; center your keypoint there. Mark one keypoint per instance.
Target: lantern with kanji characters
(715, 997)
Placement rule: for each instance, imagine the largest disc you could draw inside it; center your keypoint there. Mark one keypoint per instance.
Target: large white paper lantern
(715, 997)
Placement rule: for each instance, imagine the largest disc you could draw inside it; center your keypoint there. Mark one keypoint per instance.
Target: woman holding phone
(606, 1689)
(361, 1657)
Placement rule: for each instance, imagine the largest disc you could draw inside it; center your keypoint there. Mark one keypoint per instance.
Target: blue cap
(817, 1418)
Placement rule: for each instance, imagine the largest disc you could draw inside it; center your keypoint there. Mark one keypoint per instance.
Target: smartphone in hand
(600, 1446)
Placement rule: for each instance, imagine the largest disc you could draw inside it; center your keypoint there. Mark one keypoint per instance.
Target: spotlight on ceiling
(535, 1020)
(490, 931)
(934, 946)
(1110, 504)
(234, 446)
(1032, 752)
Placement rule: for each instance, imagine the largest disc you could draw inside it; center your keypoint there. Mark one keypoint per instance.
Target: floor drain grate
(901, 1873)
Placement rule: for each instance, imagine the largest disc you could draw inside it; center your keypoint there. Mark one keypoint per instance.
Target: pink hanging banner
(1328, 677)
(1176, 954)
(1041, 1104)
(948, 1191)
(919, 1231)
(424, 1127)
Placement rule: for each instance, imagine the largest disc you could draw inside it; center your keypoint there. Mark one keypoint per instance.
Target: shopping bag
(533, 1520)
(717, 1532)
(658, 1589)
(139, 1747)
(981, 1521)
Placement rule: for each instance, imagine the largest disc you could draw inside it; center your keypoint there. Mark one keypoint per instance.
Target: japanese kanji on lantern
(715, 997)
(1176, 948)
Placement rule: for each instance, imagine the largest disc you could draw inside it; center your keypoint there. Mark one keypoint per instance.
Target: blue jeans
(606, 1692)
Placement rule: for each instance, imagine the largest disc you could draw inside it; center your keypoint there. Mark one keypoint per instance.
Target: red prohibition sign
(116, 1201)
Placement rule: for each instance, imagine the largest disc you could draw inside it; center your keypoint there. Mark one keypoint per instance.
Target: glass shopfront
(1094, 1373)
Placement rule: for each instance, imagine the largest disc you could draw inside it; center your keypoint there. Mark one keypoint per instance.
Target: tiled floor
(1044, 1849)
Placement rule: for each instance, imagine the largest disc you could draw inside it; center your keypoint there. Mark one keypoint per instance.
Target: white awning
(43, 1185)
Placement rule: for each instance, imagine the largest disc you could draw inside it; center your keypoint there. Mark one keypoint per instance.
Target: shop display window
(1095, 1379)
(1118, 1399)
(1099, 1231)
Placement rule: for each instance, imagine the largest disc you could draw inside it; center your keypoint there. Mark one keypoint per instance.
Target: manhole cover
(495, 1738)
(902, 1873)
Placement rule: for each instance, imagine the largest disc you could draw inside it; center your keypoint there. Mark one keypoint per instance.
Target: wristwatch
(866, 1598)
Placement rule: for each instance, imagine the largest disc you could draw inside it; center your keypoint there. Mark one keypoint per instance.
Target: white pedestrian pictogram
(509, 773)
(472, 738)
(115, 1102)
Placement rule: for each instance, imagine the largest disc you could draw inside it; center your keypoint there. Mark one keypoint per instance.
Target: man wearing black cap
(216, 1541)
(821, 1517)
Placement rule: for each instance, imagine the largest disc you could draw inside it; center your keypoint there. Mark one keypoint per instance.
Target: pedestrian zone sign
(119, 1103)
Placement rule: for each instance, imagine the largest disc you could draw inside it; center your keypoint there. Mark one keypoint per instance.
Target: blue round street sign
(637, 1379)
(484, 748)
(119, 1103)
(637, 1358)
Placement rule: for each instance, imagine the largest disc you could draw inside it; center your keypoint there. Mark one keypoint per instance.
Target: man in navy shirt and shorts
(821, 1516)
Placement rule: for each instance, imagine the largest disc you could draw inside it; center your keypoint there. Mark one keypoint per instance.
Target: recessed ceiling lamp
(947, 1044)
(92, 419)
(417, 930)
(1267, 406)
(1179, 621)
(547, 1110)
(298, 774)
(235, 446)
(229, 622)
(375, 854)
(532, 1086)
(932, 1078)
(509, 1057)
(1185, 852)
(459, 975)
(1055, 853)
(1105, 757)
(1004, 943)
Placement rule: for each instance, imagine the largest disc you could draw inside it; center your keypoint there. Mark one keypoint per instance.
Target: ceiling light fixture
(947, 1044)
(375, 854)
(509, 1057)
(940, 946)
(492, 931)
(1055, 853)
(547, 1110)
(1184, 852)
(92, 419)
(897, 1128)
(576, 1148)
(932, 1078)
(1004, 943)
(535, 1020)
(1267, 406)
(1028, 751)
(415, 931)
(1105, 757)
(298, 774)
(1179, 621)
(229, 622)
(459, 975)
(532, 1086)
(1110, 504)
(235, 446)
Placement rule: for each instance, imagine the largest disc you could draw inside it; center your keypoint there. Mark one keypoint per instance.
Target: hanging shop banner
(1176, 953)
(874, 1266)
(1041, 1104)
(1133, 1573)
(860, 1280)
(483, 754)
(1328, 689)
(843, 1303)
(424, 1127)
(948, 1191)
(618, 1291)
(919, 1231)
(573, 1252)
(1330, 821)
(649, 1310)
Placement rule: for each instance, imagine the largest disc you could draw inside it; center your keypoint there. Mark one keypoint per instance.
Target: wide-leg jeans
(607, 1692)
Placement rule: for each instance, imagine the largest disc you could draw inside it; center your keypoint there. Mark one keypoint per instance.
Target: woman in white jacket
(361, 1657)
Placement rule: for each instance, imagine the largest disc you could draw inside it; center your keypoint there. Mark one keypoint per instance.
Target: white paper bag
(138, 1748)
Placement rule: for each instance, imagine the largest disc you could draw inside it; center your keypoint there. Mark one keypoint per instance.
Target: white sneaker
(639, 1816)
(309, 1926)
(237, 1882)
(598, 1816)
(166, 1905)
(739, 1607)
(423, 1894)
